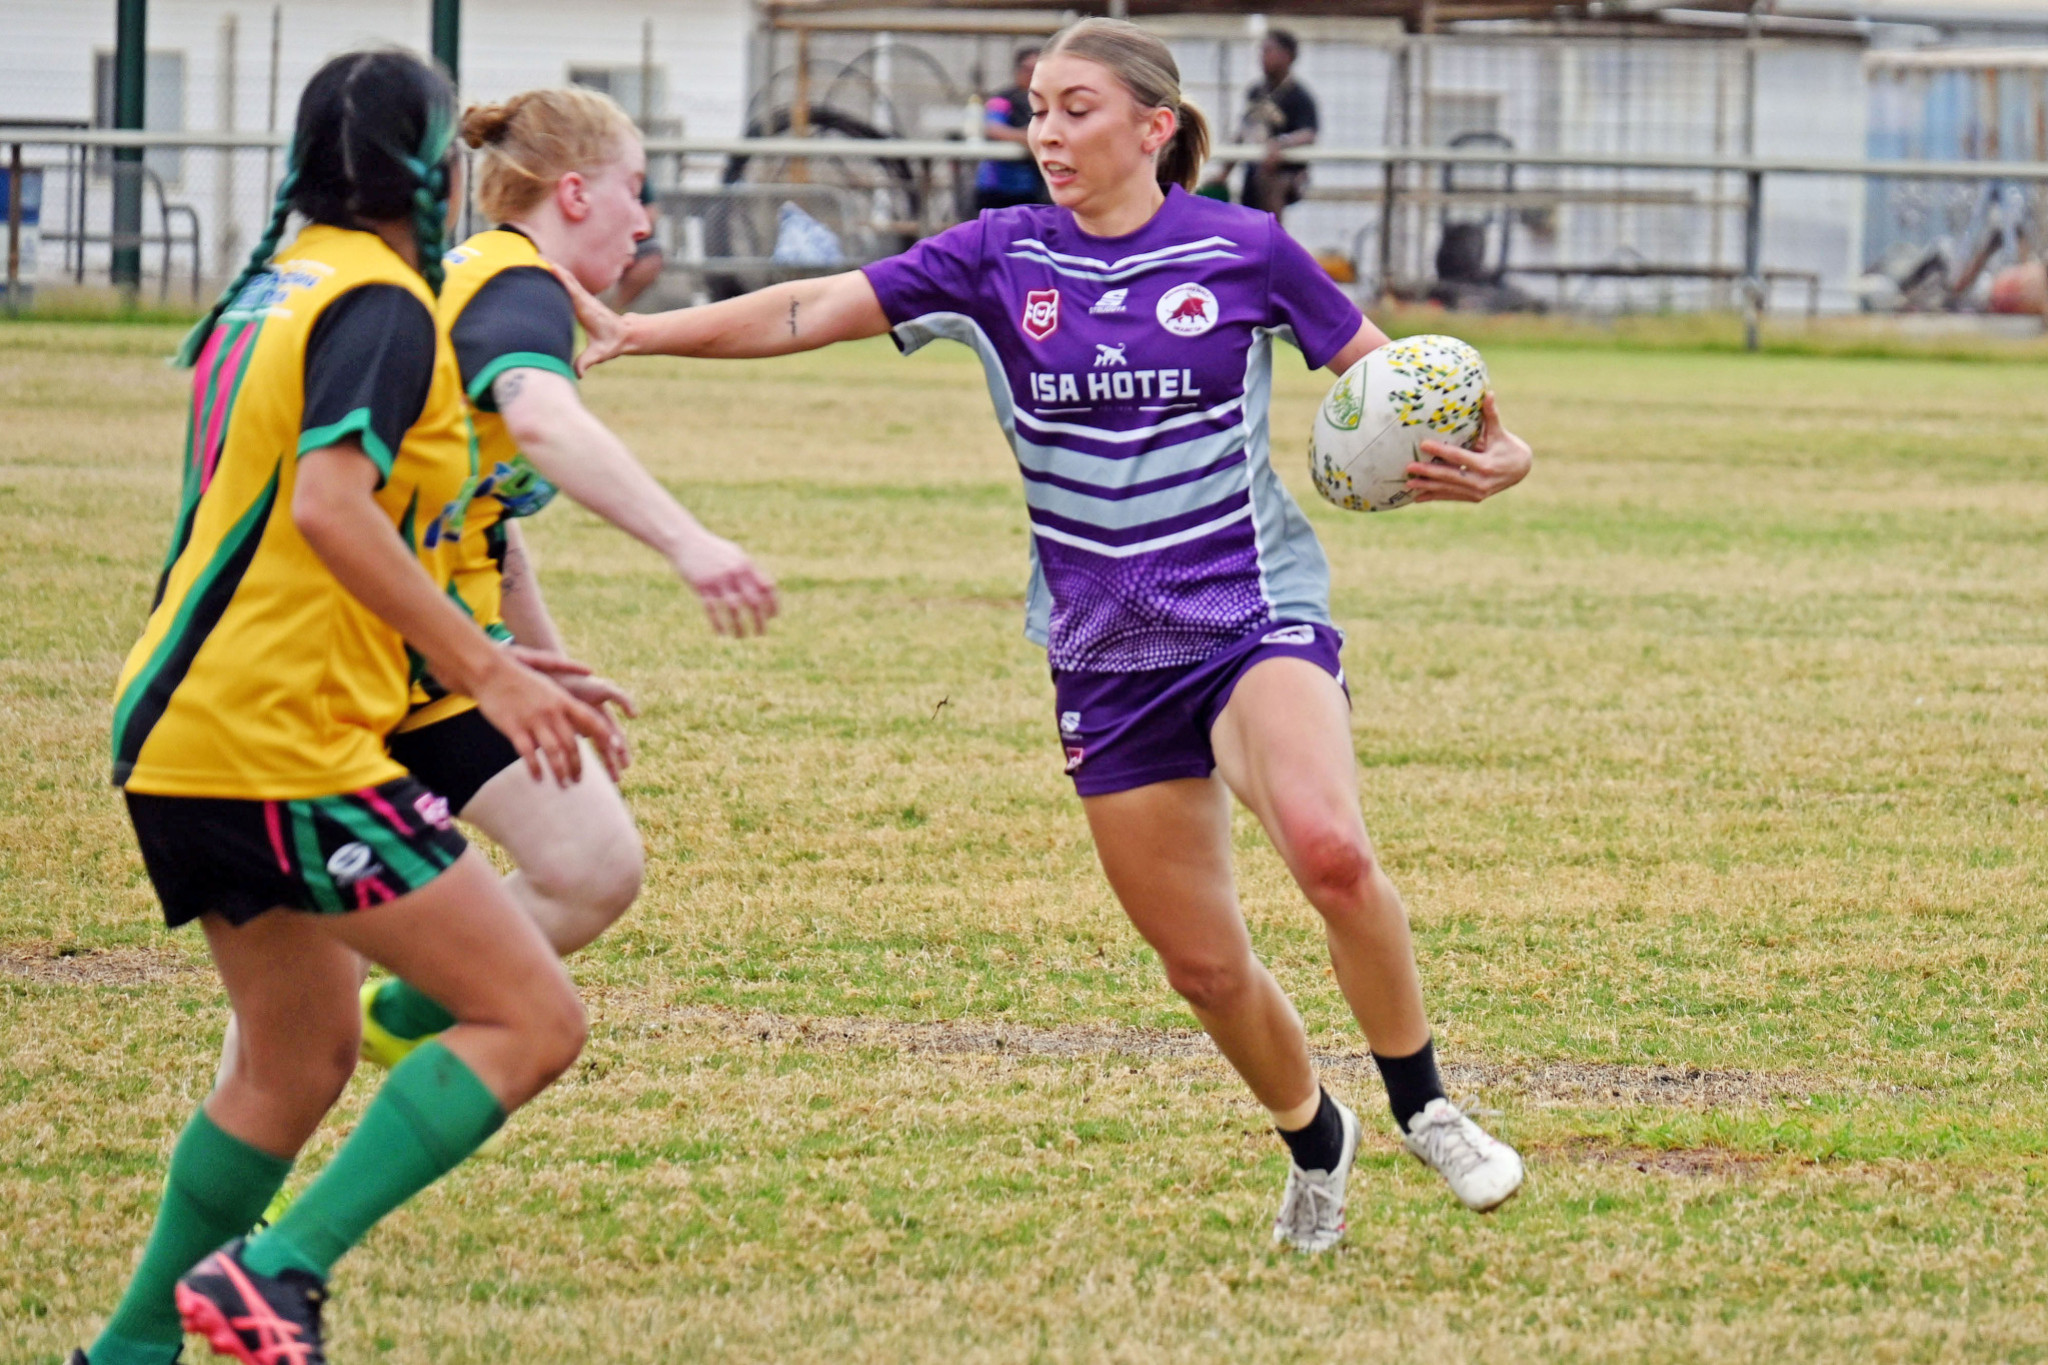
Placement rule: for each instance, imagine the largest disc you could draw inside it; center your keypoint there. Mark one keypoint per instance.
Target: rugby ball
(1372, 423)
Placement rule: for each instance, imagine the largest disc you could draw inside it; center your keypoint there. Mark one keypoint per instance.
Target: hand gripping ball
(1372, 423)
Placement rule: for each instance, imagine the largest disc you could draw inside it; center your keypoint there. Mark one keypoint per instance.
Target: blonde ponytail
(1180, 161)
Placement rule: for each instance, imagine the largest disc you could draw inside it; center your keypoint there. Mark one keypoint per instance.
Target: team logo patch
(1070, 722)
(432, 809)
(1074, 757)
(351, 863)
(1187, 310)
(1290, 635)
(1112, 302)
(1041, 313)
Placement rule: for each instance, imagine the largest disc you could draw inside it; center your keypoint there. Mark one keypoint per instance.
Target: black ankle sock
(1412, 1082)
(1319, 1146)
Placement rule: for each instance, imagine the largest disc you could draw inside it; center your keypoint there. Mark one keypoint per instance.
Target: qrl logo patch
(1074, 758)
(1187, 310)
(1041, 313)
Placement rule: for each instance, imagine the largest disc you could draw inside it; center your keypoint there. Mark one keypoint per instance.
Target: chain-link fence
(1601, 171)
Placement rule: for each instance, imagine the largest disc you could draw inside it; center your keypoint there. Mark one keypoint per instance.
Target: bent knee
(558, 1032)
(600, 878)
(1329, 859)
(1210, 985)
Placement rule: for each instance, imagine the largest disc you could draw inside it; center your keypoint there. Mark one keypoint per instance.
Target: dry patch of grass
(1711, 764)
(54, 966)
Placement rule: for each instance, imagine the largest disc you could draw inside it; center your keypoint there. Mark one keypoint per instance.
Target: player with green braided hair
(424, 200)
(251, 737)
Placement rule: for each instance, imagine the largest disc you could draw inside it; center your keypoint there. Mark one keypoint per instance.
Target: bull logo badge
(1187, 310)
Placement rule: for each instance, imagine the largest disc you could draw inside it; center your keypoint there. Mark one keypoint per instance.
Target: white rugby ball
(1370, 427)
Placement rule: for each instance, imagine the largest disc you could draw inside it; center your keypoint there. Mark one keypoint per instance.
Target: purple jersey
(1131, 375)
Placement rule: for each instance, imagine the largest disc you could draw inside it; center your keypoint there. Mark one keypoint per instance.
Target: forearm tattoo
(511, 571)
(792, 317)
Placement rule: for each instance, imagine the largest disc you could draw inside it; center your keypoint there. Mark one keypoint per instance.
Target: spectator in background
(1004, 184)
(647, 260)
(1281, 114)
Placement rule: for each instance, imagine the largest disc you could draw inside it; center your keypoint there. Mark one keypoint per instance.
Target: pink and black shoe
(256, 1319)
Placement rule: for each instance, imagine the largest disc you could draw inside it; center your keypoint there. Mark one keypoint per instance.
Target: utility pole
(1753, 195)
(448, 36)
(131, 83)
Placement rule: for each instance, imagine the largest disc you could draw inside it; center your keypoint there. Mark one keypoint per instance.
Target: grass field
(1711, 762)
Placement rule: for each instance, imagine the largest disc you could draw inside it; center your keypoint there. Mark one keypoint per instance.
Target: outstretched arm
(782, 319)
(580, 455)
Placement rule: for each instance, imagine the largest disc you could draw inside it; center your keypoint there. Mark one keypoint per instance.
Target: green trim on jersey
(205, 602)
(356, 424)
(480, 387)
(202, 422)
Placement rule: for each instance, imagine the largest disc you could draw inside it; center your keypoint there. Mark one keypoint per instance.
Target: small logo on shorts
(1290, 635)
(1041, 313)
(1070, 722)
(351, 863)
(432, 809)
(1074, 757)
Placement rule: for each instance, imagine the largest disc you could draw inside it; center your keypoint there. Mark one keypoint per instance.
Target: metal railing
(1391, 194)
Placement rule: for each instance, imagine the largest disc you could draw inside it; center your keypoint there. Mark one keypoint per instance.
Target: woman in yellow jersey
(561, 173)
(327, 432)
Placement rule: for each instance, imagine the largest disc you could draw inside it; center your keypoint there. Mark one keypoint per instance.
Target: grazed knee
(1333, 863)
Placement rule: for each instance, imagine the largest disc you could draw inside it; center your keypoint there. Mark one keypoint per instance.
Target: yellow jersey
(502, 310)
(258, 675)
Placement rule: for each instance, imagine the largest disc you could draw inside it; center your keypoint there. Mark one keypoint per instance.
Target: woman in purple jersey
(1180, 593)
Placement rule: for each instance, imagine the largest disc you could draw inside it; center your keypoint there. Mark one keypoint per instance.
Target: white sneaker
(1483, 1171)
(1311, 1216)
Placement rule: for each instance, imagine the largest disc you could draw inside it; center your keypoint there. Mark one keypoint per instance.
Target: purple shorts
(1125, 730)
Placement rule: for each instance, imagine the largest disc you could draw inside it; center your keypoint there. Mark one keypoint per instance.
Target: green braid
(259, 259)
(430, 195)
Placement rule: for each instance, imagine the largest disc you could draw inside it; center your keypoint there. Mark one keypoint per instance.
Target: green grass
(1716, 748)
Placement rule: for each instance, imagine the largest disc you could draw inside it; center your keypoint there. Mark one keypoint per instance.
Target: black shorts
(326, 854)
(454, 757)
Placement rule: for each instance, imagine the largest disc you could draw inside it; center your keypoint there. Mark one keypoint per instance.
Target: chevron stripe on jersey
(1160, 532)
(1127, 268)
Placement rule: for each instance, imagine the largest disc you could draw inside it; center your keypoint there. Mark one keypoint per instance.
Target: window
(163, 108)
(642, 91)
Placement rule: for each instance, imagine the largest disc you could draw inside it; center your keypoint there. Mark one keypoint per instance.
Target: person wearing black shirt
(1006, 116)
(1280, 113)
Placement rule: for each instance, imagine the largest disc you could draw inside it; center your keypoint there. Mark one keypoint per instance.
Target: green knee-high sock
(431, 1113)
(406, 1012)
(218, 1184)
